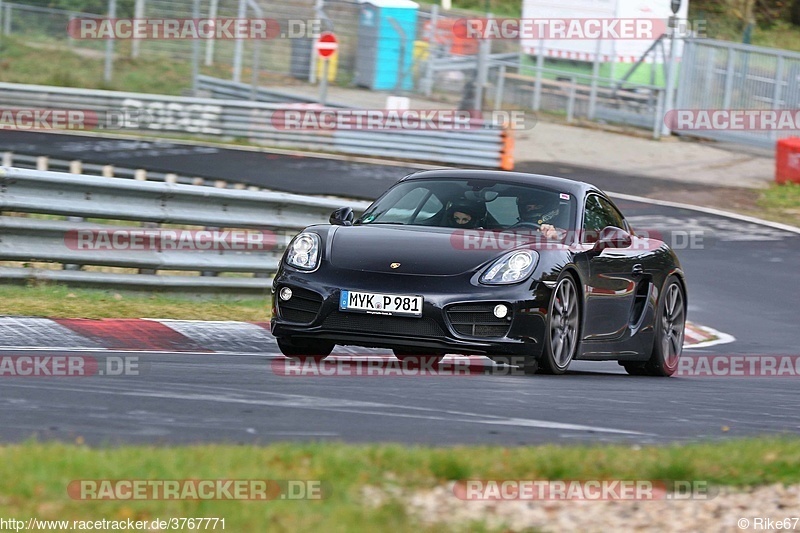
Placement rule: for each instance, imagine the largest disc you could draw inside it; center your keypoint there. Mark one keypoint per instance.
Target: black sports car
(529, 270)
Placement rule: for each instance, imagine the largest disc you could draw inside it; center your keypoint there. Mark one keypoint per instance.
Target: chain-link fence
(419, 52)
(42, 25)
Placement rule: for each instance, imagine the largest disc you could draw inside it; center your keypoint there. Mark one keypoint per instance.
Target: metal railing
(231, 90)
(575, 94)
(482, 145)
(720, 75)
(122, 203)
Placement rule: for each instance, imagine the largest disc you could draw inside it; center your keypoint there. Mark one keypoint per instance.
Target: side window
(613, 217)
(597, 215)
(431, 208)
(404, 208)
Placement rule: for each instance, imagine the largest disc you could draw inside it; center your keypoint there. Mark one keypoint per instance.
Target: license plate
(381, 304)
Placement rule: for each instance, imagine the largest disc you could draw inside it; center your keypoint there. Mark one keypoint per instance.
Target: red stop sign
(327, 44)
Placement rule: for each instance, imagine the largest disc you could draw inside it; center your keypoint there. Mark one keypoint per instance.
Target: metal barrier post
(777, 94)
(195, 50)
(729, 70)
(499, 87)
(212, 14)
(571, 101)
(109, 61)
(427, 82)
(537, 92)
(7, 21)
(595, 76)
(239, 47)
(138, 13)
(75, 167)
(658, 122)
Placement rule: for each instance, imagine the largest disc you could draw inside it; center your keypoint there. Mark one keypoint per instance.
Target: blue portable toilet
(386, 29)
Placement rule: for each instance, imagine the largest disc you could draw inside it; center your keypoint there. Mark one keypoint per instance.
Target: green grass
(63, 302)
(35, 476)
(54, 64)
(782, 203)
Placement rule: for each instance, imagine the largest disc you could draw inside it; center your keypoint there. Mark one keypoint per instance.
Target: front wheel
(305, 350)
(563, 328)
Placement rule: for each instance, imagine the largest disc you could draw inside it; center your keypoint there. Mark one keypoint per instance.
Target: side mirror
(611, 237)
(342, 217)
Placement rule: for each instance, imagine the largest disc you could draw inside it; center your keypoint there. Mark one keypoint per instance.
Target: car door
(611, 285)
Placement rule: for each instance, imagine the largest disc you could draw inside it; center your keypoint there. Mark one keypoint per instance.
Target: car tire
(305, 350)
(636, 369)
(413, 358)
(562, 335)
(530, 367)
(669, 326)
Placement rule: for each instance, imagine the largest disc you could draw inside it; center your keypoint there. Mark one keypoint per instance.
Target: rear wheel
(305, 350)
(669, 328)
(563, 328)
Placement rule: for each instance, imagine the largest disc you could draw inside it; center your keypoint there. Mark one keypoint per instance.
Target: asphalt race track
(302, 175)
(742, 281)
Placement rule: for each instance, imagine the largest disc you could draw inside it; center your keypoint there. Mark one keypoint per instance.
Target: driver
(539, 209)
(465, 214)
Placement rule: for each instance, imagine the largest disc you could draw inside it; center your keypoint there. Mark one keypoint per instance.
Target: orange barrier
(507, 153)
(787, 160)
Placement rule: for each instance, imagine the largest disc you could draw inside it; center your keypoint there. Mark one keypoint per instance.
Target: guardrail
(231, 90)
(77, 166)
(482, 145)
(78, 197)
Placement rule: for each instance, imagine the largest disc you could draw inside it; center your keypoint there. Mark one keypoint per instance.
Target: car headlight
(511, 268)
(304, 251)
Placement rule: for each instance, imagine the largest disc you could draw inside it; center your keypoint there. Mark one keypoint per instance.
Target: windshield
(471, 204)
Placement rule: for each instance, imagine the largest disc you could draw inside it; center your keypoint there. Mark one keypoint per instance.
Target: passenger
(465, 214)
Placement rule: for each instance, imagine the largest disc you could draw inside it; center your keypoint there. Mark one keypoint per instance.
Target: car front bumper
(456, 315)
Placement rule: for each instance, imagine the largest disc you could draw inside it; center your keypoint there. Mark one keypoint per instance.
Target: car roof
(576, 188)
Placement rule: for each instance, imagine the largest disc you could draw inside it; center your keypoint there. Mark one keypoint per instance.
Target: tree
(794, 15)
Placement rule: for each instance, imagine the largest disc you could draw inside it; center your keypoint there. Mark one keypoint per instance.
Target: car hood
(419, 250)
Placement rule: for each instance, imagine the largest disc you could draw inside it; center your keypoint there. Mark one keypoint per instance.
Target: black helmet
(538, 207)
(476, 210)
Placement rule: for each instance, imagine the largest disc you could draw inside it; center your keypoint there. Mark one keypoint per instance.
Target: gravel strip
(722, 513)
